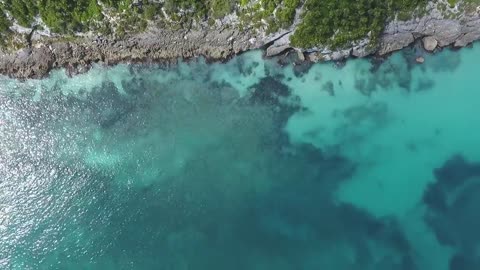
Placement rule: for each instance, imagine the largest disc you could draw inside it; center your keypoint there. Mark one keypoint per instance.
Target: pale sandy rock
(429, 43)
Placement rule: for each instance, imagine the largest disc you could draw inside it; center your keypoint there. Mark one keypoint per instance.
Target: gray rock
(395, 42)
(340, 55)
(363, 48)
(429, 43)
(447, 31)
(467, 38)
(281, 44)
(276, 50)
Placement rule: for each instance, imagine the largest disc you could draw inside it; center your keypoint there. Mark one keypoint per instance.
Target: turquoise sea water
(244, 165)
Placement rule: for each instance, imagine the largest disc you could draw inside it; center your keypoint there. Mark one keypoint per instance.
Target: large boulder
(429, 43)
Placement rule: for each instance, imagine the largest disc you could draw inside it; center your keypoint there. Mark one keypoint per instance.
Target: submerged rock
(420, 60)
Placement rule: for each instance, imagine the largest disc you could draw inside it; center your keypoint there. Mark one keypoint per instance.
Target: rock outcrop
(152, 46)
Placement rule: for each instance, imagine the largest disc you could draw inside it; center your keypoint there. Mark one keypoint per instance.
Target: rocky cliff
(436, 30)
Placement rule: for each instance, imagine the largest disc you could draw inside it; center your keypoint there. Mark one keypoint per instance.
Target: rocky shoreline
(435, 30)
(152, 46)
(223, 42)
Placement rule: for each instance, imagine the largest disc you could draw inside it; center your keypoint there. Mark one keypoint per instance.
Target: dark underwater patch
(108, 105)
(462, 262)
(366, 86)
(273, 93)
(245, 68)
(269, 90)
(329, 87)
(424, 85)
(453, 209)
(302, 68)
(290, 221)
(456, 171)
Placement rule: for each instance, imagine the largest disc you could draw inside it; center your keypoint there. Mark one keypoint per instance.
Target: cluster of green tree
(275, 14)
(279, 13)
(60, 15)
(199, 9)
(286, 12)
(336, 23)
(68, 16)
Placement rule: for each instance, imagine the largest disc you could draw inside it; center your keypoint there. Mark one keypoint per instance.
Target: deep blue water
(244, 165)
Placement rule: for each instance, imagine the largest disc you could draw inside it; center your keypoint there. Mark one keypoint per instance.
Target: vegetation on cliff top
(338, 22)
(68, 16)
(334, 23)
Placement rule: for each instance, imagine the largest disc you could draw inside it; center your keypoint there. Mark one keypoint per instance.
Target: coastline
(220, 43)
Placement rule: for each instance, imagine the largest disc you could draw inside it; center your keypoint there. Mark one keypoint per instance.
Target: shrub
(336, 23)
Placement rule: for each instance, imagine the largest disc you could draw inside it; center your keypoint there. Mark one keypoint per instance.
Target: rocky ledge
(220, 43)
(155, 45)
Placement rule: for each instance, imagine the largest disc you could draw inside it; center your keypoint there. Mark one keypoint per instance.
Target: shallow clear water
(244, 165)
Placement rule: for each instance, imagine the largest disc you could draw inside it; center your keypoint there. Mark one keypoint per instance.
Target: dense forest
(324, 22)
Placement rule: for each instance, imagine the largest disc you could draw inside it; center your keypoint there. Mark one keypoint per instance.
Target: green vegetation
(276, 13)
(60, 15)
(286, 13)
(336, 23)
(181, 10)
(220, 8)
(65, 16)
(22, 10)
(150, 11)
(4, 23)
(69, 16)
